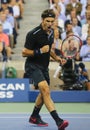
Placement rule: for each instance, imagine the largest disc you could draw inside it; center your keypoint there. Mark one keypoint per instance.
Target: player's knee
(44, 88)
(46, 91)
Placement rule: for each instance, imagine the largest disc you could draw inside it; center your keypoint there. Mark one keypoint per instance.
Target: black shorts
(36, 74)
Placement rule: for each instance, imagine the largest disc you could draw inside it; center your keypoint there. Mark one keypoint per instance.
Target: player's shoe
(38, 121)
(63, 125)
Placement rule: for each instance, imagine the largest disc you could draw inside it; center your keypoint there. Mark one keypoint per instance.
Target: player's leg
(39, 100)
(38, 105)
(35, 117)
(37, 76)
(30, 73)
(45, 91)
(41, 80)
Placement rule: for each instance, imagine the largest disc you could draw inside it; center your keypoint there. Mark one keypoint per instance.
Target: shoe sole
(44, 125)
(63, 125)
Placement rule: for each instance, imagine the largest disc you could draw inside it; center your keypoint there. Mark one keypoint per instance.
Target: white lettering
(2, 94)
(8, 94)
(2, 86)
(11, 86)
(21, 87)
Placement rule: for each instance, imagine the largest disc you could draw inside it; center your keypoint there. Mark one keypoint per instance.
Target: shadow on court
(20, 122)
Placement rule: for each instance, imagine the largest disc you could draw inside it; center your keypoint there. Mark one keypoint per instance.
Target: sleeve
(30, 41)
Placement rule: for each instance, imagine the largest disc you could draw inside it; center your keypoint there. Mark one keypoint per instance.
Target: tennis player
(37, 49)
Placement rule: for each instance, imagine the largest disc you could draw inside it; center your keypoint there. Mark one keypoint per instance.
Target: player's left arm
(57, 58)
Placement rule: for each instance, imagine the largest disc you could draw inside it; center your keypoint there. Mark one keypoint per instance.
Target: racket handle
(57, 71)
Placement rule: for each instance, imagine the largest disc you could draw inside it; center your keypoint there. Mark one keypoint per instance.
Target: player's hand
(63, 61)
(60, 60)
(45, 49)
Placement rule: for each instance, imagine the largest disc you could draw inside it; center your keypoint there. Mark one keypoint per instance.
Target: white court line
(25, 113)
(47, 117)
(44, 115)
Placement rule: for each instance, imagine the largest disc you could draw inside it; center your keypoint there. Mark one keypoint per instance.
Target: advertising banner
(14, 90)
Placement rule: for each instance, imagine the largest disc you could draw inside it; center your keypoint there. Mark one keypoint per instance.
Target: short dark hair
(48, 13)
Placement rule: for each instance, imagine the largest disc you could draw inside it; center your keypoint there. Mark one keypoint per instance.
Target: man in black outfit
(37, 49)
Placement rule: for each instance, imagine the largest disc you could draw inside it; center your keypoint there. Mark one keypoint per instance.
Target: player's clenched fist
(44, 49)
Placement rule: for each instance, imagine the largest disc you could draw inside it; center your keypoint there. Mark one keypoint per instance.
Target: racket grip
(57, 71)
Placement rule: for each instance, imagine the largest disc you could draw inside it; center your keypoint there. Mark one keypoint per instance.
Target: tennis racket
(71, 46)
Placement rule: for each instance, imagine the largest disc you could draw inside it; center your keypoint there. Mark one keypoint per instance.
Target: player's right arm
(29, 47)
(27, 52)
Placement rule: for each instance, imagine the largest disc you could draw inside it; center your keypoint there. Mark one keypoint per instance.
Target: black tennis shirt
(36, 39)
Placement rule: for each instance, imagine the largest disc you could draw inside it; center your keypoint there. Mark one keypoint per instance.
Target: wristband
(37, 52)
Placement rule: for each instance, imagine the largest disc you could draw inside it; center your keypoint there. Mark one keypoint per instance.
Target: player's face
(47, 23)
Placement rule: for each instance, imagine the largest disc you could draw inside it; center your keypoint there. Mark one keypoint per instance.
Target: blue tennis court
(20, 122)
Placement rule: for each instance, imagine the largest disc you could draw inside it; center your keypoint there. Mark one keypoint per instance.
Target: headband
(48, 13)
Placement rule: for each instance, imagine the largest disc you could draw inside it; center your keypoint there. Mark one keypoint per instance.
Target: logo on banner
(7, 90)
(13, 88)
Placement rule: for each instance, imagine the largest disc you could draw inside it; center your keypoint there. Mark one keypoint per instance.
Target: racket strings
(71, 46)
